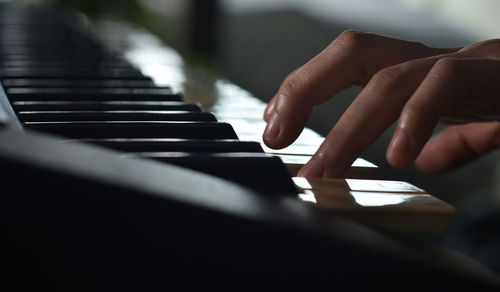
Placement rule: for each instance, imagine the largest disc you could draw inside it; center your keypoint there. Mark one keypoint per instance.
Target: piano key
(96, 96)
(4, 116)
(112, 115)
(47, 58)
(86, 59)
(252, 129)
(70, 63)
(30, 46)
(254, 170)
(360, 185)
(67, 73)
(91, 105)
(119, 129)
(79, 83)
(360, 168)
(80, 56)
(28, 93)
(7, 115)
(294, 149)
(394, 205)
(48, 50)
(175, 145)
(64, 56)
(234, 114)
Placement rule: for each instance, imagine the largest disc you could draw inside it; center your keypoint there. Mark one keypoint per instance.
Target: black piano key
(48, 91)
(257, 171)
(18, 36)
(118, 129)
(91, 105)
(94, 58)
(123, 115)
(164, 94)
(64, 55)
(71, 63)
(177, 145)
(78, 83)
(72, 87)
(64, 52)
(47, 50)
(68, 73)
(91, 90)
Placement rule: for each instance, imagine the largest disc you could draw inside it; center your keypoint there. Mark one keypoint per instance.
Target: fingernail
(313, 168)
(269, 110)
(272, 130)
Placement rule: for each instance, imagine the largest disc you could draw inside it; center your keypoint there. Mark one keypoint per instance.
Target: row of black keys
(96, 97)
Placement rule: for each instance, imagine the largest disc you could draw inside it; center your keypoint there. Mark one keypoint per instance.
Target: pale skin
(407, 82)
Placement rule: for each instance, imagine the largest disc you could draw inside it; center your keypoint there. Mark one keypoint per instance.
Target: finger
(352, 58)
(487, 49)
(372, 112)
(269, 109)
(458, 145)
(453, 85)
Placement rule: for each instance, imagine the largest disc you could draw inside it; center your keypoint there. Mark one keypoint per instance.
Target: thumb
(458, 145)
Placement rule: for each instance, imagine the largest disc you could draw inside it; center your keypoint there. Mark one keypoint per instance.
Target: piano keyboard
(69, 85)
(117, 173)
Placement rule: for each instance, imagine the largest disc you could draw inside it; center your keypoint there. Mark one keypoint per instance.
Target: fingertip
(458, 145)
(269, 110)
(313, 168)
(399, 151)
(429, 166)
(272, 132)
(285, 122)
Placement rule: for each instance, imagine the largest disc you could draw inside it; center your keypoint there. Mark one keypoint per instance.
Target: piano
(123, 168)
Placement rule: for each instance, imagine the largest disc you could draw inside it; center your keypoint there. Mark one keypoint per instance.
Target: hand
(402, 80)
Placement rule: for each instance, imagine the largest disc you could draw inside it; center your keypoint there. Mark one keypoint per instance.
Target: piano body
(120, 171)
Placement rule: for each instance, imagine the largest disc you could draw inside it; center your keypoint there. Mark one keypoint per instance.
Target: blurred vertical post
(203, 27)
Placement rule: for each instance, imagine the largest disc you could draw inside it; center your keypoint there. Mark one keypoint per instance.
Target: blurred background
(257, 43)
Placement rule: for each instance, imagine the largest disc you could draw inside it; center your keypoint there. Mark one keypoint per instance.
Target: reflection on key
(382, 186)
(68, 105)
(388, 204)
(374, 199)
(359, 169)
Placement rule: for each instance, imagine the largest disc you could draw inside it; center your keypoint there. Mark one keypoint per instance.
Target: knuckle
(447, 70)
(473, 149)
(350, 39)
(491, 45)
(294, 84)
(495, 130)
(414, 109)
(447, 66)
(483, 48)
(467, 149)
(387, 78)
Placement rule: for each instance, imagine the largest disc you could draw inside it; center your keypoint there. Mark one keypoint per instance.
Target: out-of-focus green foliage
(128, 9)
